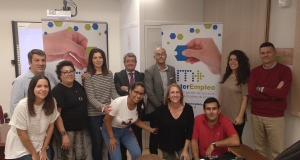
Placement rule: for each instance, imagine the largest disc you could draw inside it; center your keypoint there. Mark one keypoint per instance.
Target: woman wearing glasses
(72, 104)
(100, 89)
(116, 129)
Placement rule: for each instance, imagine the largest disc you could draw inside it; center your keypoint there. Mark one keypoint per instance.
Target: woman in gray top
(100, 89)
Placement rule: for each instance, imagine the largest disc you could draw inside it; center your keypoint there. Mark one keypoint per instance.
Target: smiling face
(267, 55)
(67, 75)
(130, 63)
(233, 62)
(41, 89)
(37, 64)
(212, 111)
(97, 60)
(137, 94)
(174, 95)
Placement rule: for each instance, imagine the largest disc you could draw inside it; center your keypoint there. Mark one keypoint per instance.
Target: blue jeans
(28, 156)
(95, 122)
(127, 138)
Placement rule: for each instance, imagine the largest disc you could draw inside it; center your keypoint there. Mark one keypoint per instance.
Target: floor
(145, 151)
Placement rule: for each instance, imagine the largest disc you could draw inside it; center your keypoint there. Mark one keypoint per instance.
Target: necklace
(79, 97)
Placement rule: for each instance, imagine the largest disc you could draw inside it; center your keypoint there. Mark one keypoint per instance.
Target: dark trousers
(52, 154)
(95, 122)
(153, 140)
(239, 129)
(138, 134)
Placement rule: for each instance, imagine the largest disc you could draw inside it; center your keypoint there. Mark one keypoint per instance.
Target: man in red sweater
(268, 87)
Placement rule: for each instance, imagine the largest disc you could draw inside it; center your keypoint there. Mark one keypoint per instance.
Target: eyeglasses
(160, 54)
(137, 92)
(68, 73)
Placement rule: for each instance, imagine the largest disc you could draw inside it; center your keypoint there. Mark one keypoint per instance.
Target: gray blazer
(154, 86)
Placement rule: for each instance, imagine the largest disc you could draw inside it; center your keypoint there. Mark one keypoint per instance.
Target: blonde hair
(167, 100)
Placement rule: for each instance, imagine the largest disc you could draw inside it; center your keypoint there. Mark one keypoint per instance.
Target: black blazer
(121, 79)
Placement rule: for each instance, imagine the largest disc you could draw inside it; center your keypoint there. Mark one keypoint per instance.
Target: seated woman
(175, 123)
(116, 128)
(32, 123)
(72, 104)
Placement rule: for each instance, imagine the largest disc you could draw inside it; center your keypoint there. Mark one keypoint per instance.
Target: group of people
(72, 107)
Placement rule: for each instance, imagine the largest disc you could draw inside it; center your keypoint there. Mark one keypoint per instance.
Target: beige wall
(244, 29)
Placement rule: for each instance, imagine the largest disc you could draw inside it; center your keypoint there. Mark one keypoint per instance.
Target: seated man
(213, 132)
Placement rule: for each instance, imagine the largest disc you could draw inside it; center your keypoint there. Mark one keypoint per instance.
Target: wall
(34, 10)
(155, 12)
(129, 26)
(282, 35)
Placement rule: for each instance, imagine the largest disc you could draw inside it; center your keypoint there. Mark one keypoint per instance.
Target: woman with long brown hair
(100, 89)
(32, 123)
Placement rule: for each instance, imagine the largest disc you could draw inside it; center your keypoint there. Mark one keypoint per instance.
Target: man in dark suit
(157, 79)
(123, 81)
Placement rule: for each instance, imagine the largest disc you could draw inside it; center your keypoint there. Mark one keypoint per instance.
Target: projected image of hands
(206, 51)
(67, 45)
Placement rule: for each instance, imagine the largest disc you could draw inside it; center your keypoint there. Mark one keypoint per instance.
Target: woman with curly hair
(234, 89)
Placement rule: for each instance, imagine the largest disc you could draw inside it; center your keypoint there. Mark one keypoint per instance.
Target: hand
(35, 156)
(205, 50)
(184, 155)
(65, 142)
(124, 88)
(43, 155)
(209, 150)
(84, 75)
(238, 120)
(68, 45)
(112, 144)
(154, 130)
(280, 84)
(107, 108)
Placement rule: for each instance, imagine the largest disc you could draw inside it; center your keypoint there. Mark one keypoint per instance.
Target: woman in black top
(72, 104)
(175, 122)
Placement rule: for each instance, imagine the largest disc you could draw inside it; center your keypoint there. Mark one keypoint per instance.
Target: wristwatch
(258, 89)
(214, 143)
(63, 132)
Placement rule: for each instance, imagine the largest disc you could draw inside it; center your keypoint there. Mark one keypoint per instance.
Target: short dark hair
(91, 68)
(211, 100)
(60, 65)
(140, 103)
(267, 44)
(48, 105)
(35, 51)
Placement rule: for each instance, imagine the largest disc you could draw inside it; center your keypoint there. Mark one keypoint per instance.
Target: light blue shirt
(20, 86)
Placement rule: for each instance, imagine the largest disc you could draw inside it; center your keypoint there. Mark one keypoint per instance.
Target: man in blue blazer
(123, 81)
(157, 79)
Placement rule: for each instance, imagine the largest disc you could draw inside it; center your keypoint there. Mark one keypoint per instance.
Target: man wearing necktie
(123, 81)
